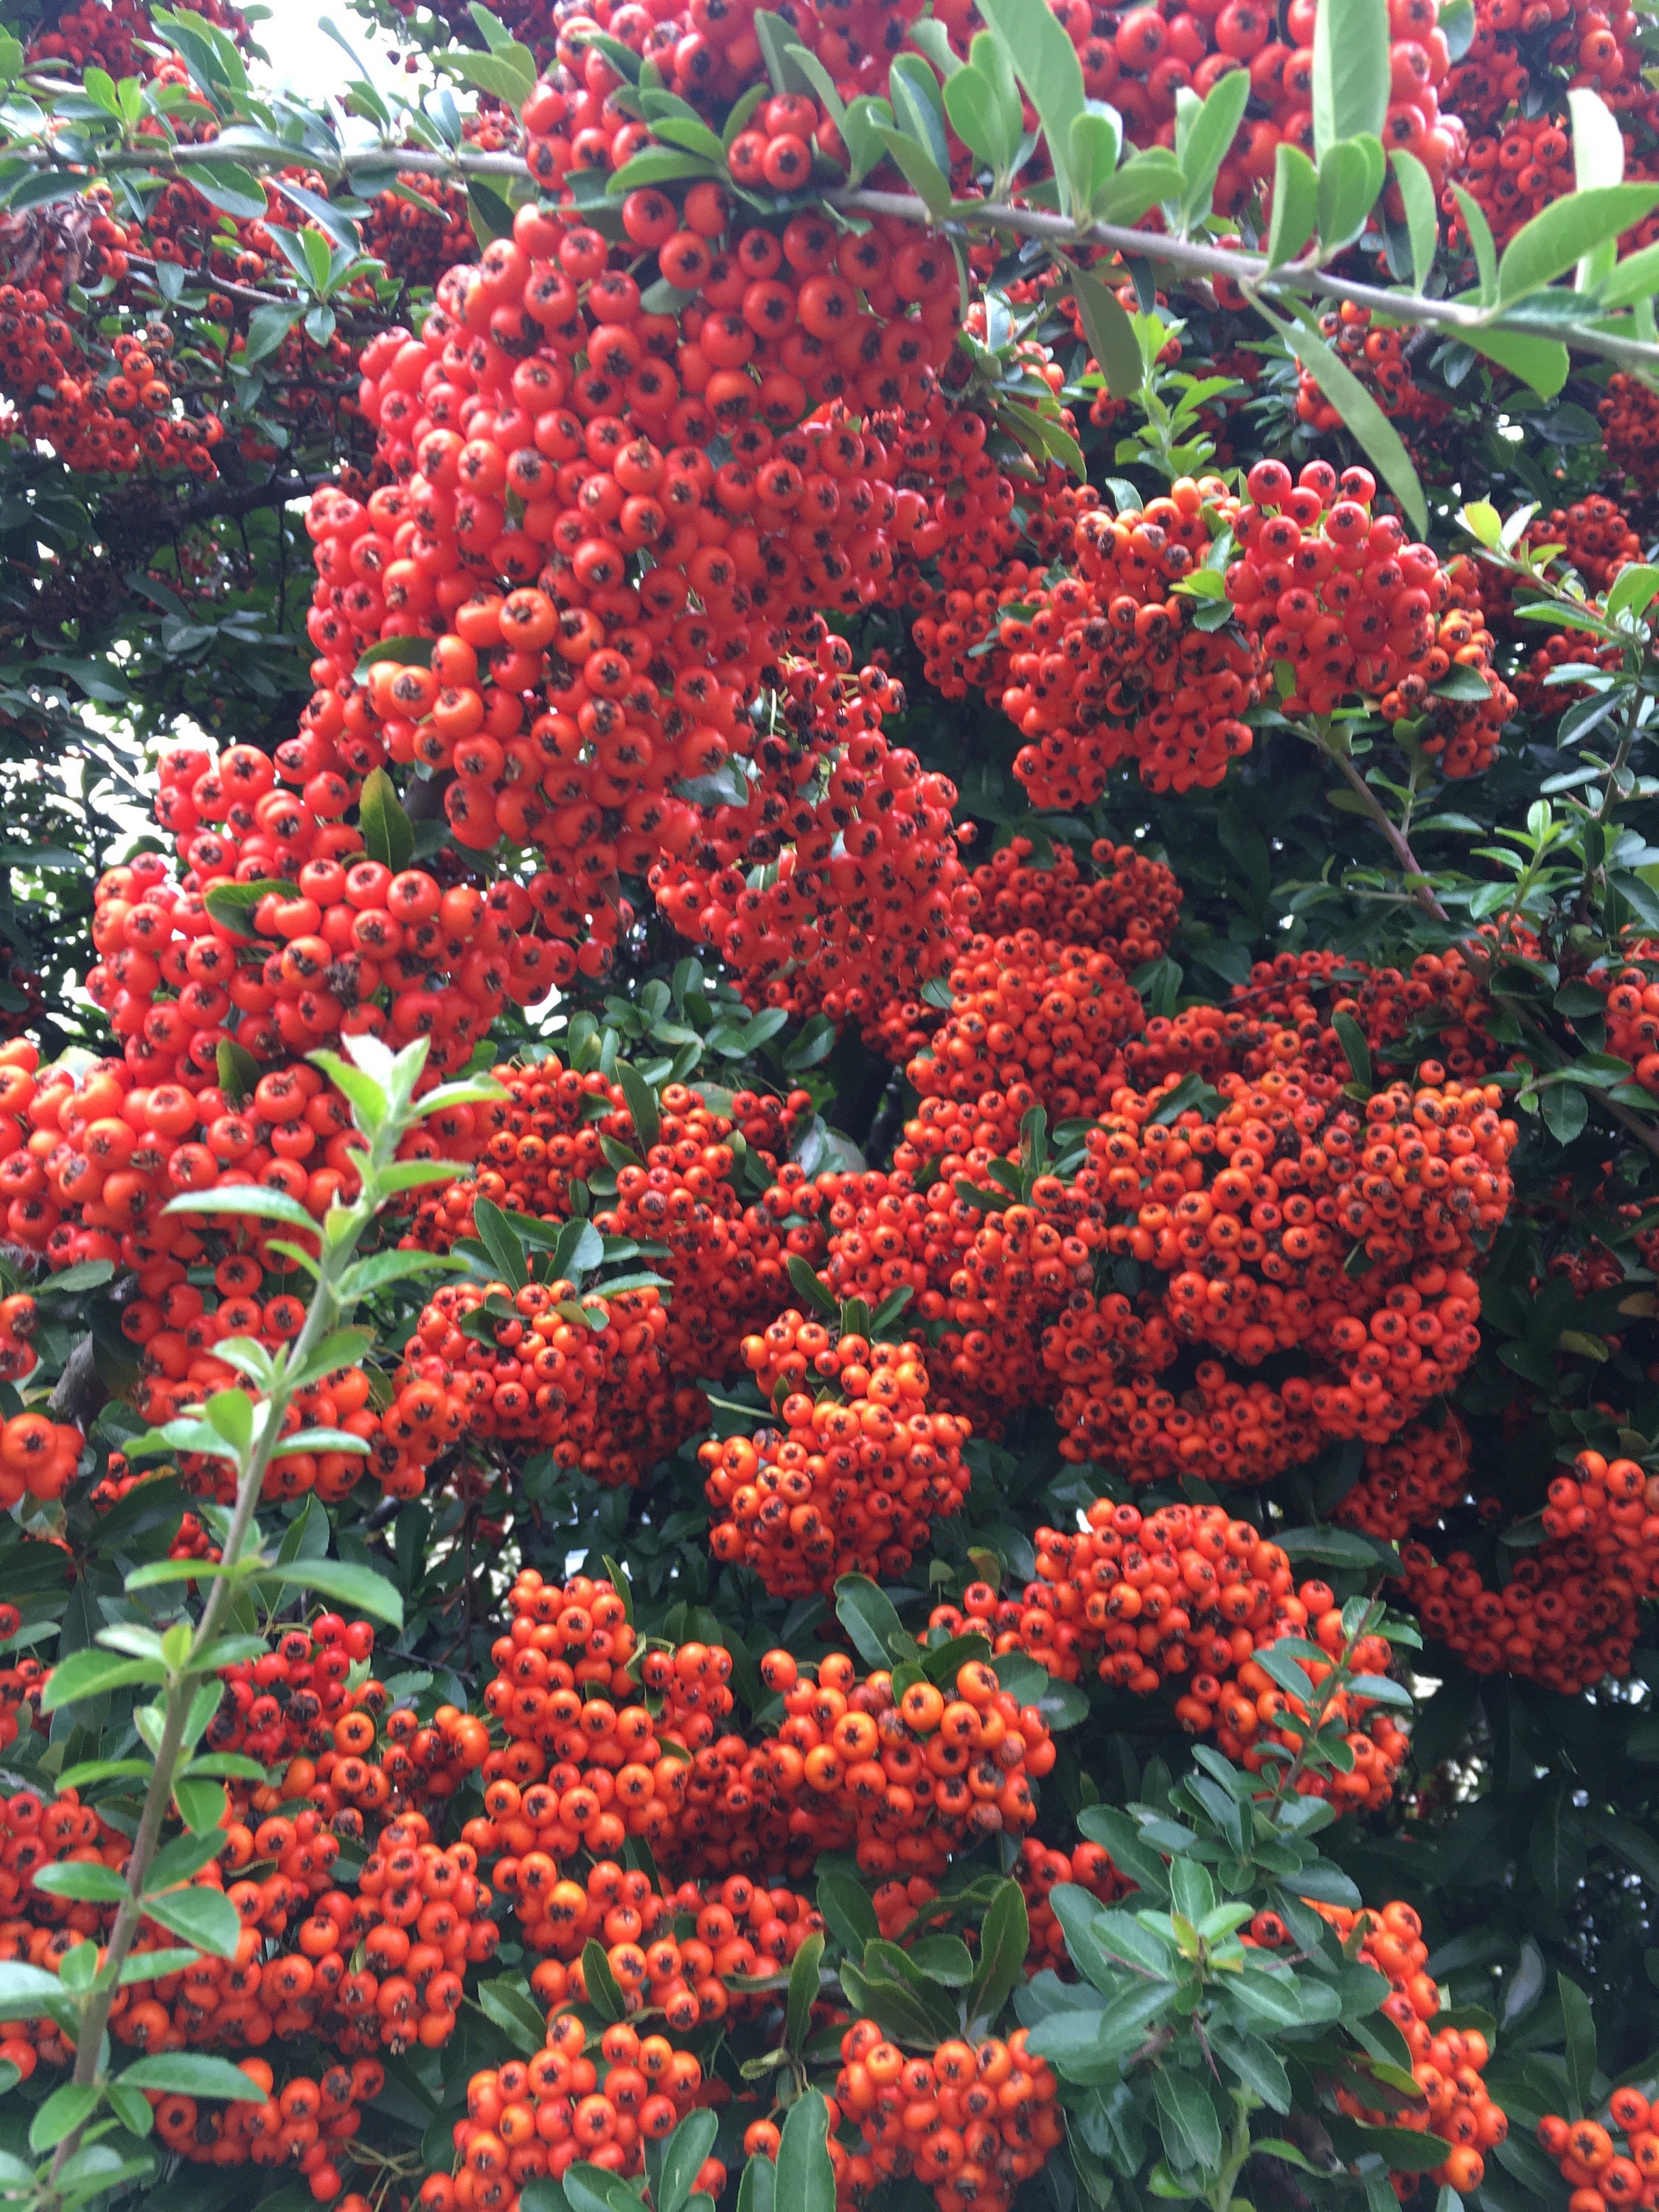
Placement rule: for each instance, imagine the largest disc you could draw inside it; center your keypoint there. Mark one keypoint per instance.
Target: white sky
(305, 59)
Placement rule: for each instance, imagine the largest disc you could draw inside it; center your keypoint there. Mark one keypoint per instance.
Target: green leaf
(983, 105)
(848, 1912)
(683, 2155)
(1186, 2120)
(1422, 212)
(1040, 53)
(388, 833)
(84, 1883)
(1209, 134)
(407, 652)
(266, 329)
(1296, 204)
(362, 1588)
(867, 1613)
(913, 92)
(229, 189)
(1580, 2024)
(1636, 278)
(1355, 1049)
(1564, 1108)
(931, 184)
(1005, 1937)
(1480, 244)
(1257, 2065)
(1360, 412)
(1352, 174)
(89, 1673)
(804, 1276)
(804, 2180)
(1352, 71)
(25, 1991)
(194, 2073)
(803, 1992)
(642, 1104)
(1404, 2150)
(502, 1243)
(510, 2006)
(604, 1993)
(1110, 334)
(1148, 179)
(69, 2107)
(204, 1917)
(508, 75)
(1631, 592)
(1565, 232)
(1096, 146)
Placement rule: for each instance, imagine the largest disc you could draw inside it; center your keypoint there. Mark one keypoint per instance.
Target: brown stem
(1391, 830)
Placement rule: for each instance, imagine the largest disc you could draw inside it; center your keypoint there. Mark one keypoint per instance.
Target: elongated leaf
(1186, 2120)
(1211, 134)
(804, 2180)
(1581, 2044)
(1042, 56)
(682, 2157)
(1351, 72)
(1422, 212)
(803, 1992)
(641, 1103)
(88, 1674)
(204, 1917)
(1110, 334)
(1296, 204)
(867, 1613)
(340, 1579)
(1480, 244)
(1363, 417)
(194, 2073)
(388, 833)
(1004, 1938)
(1563, 233)
(1351, 176)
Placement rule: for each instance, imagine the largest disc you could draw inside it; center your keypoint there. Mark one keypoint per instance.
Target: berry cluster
(1568, 1614)
(1602, 2174)
(307, 2124)
(1185, 1595)
(853, 1483)
(1447, 2062)
(1377, 358)
(676, 1951)
(1409, 1482)
(1109, 665)
(914, 1777)
(1339, 596)
(538, 2117)
(971, 2123)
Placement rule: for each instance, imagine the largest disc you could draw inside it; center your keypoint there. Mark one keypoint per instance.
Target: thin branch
(1251, 270)
(1288, 282)
(1378, 814)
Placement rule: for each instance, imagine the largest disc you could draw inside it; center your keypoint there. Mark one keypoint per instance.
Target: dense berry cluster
(1447, 2062)
(1569, 1613)
(1184, 1594)
(1602, 2171)
(969, 2122)
(855, 1478)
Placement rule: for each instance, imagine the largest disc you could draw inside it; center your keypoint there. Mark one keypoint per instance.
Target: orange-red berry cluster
(855, 1478)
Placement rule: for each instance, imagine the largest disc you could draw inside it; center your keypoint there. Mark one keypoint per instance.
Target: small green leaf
(388, 833)
(1422, 212)
(1110, 334)
(1296, 204)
